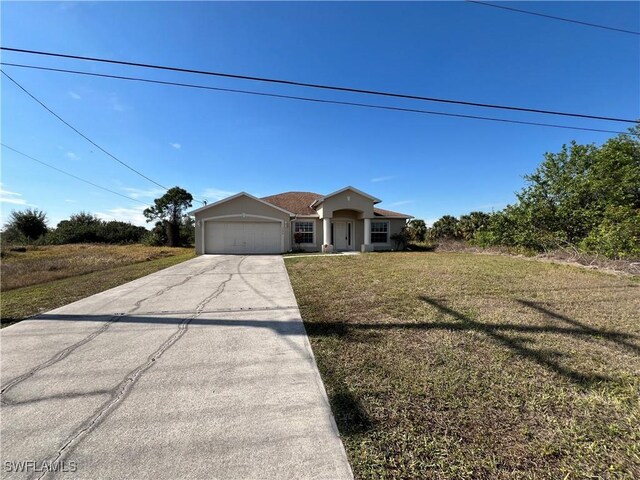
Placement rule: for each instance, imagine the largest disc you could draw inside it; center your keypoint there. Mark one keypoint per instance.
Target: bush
(157, 237)
(417, 230)
(401, 240)
(618, 236)
(188, 231)
(25, 226)
(445, 227)
(87, 228)
(298, 237)
(81, 227)
(469, 225)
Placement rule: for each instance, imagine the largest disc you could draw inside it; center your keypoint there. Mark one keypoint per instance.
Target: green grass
(455, 365)
(109, 267)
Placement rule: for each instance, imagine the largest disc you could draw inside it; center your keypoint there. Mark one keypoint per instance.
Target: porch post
(367, 247)
(326, 235)
(367, 231)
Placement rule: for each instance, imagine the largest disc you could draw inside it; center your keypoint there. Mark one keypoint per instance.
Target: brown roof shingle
(388, 213)
(294, 202)
(298, 203)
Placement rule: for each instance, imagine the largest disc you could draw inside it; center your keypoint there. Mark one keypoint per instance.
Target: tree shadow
(351, 417)
(543, 357)
(60, 396)
(348, 410)
(499, 332)
(618, 338)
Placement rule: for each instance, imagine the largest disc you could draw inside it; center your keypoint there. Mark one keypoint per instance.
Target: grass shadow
(348, 412)
(502, 333)
(545, 358)
(618, 338)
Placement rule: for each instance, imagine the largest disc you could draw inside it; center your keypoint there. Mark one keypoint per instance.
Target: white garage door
(243, 237)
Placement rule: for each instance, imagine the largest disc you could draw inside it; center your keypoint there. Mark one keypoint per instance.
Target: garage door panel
(243, 237)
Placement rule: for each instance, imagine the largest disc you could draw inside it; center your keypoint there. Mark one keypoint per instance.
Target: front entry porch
(342, 237)
(344, 234)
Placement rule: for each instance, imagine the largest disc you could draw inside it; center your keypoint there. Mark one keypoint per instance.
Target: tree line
(172, 228)
(586, 197)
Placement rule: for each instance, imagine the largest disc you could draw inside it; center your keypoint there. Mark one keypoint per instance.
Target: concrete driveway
(202, 370)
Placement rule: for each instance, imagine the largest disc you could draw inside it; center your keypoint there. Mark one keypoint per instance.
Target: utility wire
(310, 99)
(317, 86)
(72, 175)
(570, 20)
(80, 133)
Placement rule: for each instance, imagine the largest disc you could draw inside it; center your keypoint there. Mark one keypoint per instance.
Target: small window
(379, 232)
(305, 229)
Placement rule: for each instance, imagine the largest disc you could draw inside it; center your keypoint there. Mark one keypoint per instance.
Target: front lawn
(448, 365)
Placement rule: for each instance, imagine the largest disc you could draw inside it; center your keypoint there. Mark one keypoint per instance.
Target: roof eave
(349, 187)
(224, 200)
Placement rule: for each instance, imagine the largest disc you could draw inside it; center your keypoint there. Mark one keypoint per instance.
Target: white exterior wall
(240, 209)
(395, 226)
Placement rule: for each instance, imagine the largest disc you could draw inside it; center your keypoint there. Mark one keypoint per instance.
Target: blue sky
(214, 144)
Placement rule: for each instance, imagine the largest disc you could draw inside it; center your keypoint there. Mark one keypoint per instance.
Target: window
(379, 232)
(305, 229)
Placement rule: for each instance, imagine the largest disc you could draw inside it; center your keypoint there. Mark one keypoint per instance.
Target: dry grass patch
(48, 263)
(44, 278)
(455, 365)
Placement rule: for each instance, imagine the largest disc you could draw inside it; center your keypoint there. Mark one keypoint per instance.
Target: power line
(310, 99)
(80, 133)
(73, 176)
(570, 20)
(313, 85)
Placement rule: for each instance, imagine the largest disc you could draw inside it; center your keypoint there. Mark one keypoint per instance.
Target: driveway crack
(64, 353)
(61, 355)
(246, 282)
(121, 391)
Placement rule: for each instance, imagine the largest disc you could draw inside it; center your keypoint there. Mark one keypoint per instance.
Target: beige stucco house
(341, 221)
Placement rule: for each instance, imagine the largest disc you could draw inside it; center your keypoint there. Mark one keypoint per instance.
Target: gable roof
(299, 203)
(353, 189)
(224, 200)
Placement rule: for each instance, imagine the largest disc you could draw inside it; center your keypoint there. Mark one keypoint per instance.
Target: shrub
(401, 240)
(188, 231)
(470, 224)
(445, 227)
(25, 226)
(417, 230)
(87, 228)
(157, 236)
(617, 236)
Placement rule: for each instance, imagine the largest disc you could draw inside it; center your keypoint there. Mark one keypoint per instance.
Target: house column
(367, 247)
(367, 231)
(326, 235)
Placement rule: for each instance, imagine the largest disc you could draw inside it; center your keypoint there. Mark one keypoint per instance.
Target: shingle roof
(298, 203)
(295, 202)
(388, 213)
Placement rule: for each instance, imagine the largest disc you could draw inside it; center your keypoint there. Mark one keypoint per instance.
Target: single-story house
(341, 221)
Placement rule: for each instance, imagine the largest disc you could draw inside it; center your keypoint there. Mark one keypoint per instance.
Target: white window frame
(313, 230)
(388, 232)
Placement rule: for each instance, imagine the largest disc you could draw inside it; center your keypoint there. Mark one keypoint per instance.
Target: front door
(341, 235)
